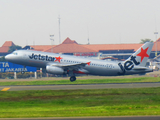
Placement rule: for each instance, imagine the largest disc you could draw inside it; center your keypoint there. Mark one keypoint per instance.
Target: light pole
(59, 30)
(52, 39)
(156, 33)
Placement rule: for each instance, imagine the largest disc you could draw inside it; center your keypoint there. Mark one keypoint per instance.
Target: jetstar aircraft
(65, 64)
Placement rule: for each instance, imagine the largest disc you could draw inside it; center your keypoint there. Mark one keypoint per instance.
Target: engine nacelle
(55, 70)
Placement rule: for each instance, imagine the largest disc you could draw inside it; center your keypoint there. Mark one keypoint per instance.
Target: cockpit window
(15, 53)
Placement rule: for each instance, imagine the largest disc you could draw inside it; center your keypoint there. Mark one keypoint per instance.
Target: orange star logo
(143, 53)
(88, 63)
(58, 59)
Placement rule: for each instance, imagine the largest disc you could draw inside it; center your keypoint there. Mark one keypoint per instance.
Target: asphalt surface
(75, 87)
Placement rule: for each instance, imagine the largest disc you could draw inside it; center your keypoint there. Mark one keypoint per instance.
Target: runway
(76, 87)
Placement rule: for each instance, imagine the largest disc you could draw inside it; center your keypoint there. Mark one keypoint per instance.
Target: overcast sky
(103, 21)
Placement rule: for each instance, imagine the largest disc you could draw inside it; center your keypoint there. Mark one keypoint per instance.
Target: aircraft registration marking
(5, 89)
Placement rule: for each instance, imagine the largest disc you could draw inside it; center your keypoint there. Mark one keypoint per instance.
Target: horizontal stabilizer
(143, 69)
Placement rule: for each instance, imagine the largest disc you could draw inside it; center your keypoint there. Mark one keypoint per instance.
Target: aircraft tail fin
(141, 56)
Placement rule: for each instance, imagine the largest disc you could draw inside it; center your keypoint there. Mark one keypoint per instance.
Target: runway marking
(5, 89)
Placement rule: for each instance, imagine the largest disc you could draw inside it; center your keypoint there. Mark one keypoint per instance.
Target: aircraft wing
(70, 66)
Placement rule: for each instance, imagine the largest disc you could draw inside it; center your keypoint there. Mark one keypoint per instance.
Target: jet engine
(55, 70)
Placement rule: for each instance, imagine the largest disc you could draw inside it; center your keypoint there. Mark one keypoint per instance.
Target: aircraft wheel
(72, 78)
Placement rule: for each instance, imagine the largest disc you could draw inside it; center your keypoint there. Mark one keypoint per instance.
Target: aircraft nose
(7, 57)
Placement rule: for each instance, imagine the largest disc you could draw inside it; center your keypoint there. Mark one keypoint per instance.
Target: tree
(2, 59)
(13, 48)
(145, 40)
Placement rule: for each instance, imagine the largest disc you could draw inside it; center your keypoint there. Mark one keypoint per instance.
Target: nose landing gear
(72, 78)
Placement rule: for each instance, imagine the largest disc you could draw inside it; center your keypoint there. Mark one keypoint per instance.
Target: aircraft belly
(102, 71)
(33, 63)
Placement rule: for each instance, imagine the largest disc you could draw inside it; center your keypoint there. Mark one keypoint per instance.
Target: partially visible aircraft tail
(141, 56)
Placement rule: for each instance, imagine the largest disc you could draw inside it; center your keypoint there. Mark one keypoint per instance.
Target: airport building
(5, 47)
(99, 51)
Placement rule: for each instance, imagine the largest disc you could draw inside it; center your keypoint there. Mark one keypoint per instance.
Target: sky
(31, 22)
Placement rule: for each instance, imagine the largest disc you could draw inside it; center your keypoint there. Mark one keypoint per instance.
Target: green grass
(87, 81)
(69, 103)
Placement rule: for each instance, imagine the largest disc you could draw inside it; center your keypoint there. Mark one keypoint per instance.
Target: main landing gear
(72, 78)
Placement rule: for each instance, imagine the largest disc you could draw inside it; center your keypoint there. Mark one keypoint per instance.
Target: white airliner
(66, 64)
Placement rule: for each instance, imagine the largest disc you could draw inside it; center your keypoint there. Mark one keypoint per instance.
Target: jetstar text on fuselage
(41, 57)
(128, 65)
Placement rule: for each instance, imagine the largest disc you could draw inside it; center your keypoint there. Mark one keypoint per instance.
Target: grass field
(81, 81)
(68, 103)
